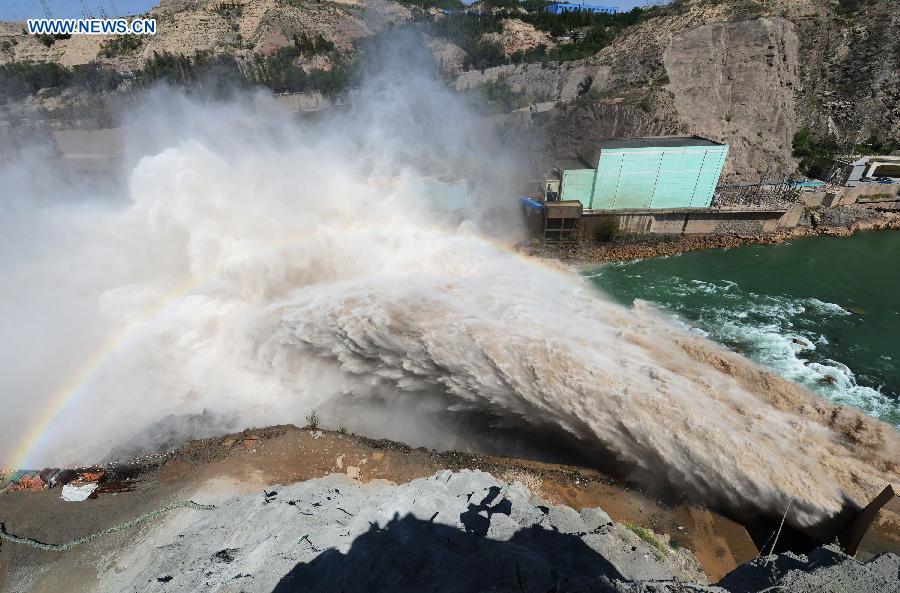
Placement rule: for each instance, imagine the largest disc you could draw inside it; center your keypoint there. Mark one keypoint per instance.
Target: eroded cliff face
(850, 74)
(750, 79)
(736, 82)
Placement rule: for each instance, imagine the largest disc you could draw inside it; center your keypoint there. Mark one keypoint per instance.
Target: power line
(86, 10)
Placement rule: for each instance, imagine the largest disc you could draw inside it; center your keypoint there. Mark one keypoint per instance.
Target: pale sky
(23, 9)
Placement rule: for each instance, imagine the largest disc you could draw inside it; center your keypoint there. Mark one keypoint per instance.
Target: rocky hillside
(242, 28)
(749, 73)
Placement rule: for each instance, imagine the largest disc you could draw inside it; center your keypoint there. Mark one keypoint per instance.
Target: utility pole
(46, 8)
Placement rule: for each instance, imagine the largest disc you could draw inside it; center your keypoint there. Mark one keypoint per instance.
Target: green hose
(189, 504)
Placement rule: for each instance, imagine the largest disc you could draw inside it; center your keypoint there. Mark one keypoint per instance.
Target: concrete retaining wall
(846, 196)
(689, 221)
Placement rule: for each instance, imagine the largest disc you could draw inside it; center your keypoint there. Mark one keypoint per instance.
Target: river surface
(822, 311)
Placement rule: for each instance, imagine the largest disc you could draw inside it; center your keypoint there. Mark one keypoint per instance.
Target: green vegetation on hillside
(580, 34)
(49, 40)
(229, 9)
(647, 536)
(501, 93)
(20, 79)
(222, 72)
(305, 44)
(278, 72)
(200, 70)
(204, 71)
(428, 4)
(120, 45)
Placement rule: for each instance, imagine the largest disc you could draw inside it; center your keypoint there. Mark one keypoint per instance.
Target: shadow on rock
(411, 555)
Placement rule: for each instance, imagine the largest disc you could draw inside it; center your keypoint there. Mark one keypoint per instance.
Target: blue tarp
(532, 203)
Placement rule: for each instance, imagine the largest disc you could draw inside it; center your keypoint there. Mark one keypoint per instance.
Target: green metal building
(641, 173)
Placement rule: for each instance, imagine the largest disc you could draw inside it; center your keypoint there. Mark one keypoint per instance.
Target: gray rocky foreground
(463, 531)
(824, 570)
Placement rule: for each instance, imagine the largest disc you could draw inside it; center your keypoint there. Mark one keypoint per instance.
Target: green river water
(822, 311)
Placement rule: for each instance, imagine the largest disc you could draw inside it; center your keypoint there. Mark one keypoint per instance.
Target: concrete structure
(644, 173)
(568, 221)
(689, 221)
(90, 144)
(867, 535)
(864, 193)
(858, 171)
(88, 151)
(563, 7)
(553, 221)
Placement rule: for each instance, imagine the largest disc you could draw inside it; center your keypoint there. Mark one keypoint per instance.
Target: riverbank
(832, 222)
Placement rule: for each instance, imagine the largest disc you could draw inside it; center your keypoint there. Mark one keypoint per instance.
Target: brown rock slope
(258, 459)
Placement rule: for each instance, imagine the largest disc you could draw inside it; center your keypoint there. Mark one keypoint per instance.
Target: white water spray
(266, 268)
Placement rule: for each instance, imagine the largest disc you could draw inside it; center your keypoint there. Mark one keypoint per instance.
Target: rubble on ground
(464, 531)
(78, 492)
(76, 485)
(28, 482)
(82, 487)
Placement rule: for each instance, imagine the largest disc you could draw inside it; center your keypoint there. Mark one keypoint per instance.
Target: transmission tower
(46, 8)
(86, 10)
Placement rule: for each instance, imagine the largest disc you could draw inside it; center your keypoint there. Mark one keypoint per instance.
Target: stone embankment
(837, 222)
(460, 531)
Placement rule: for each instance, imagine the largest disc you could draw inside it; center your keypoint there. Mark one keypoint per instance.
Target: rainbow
(77, 383)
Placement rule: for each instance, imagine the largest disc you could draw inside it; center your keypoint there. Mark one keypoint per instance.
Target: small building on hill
(562, 7)
(641, 173)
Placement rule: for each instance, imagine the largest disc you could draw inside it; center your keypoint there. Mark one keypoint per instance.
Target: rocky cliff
(738, 71)
(734, 71)
(186, 26)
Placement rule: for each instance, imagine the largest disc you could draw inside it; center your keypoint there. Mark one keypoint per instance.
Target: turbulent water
(820, 311)
(259, 268)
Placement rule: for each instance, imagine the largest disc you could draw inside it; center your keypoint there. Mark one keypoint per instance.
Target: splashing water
(772, 304)
(262, 269)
